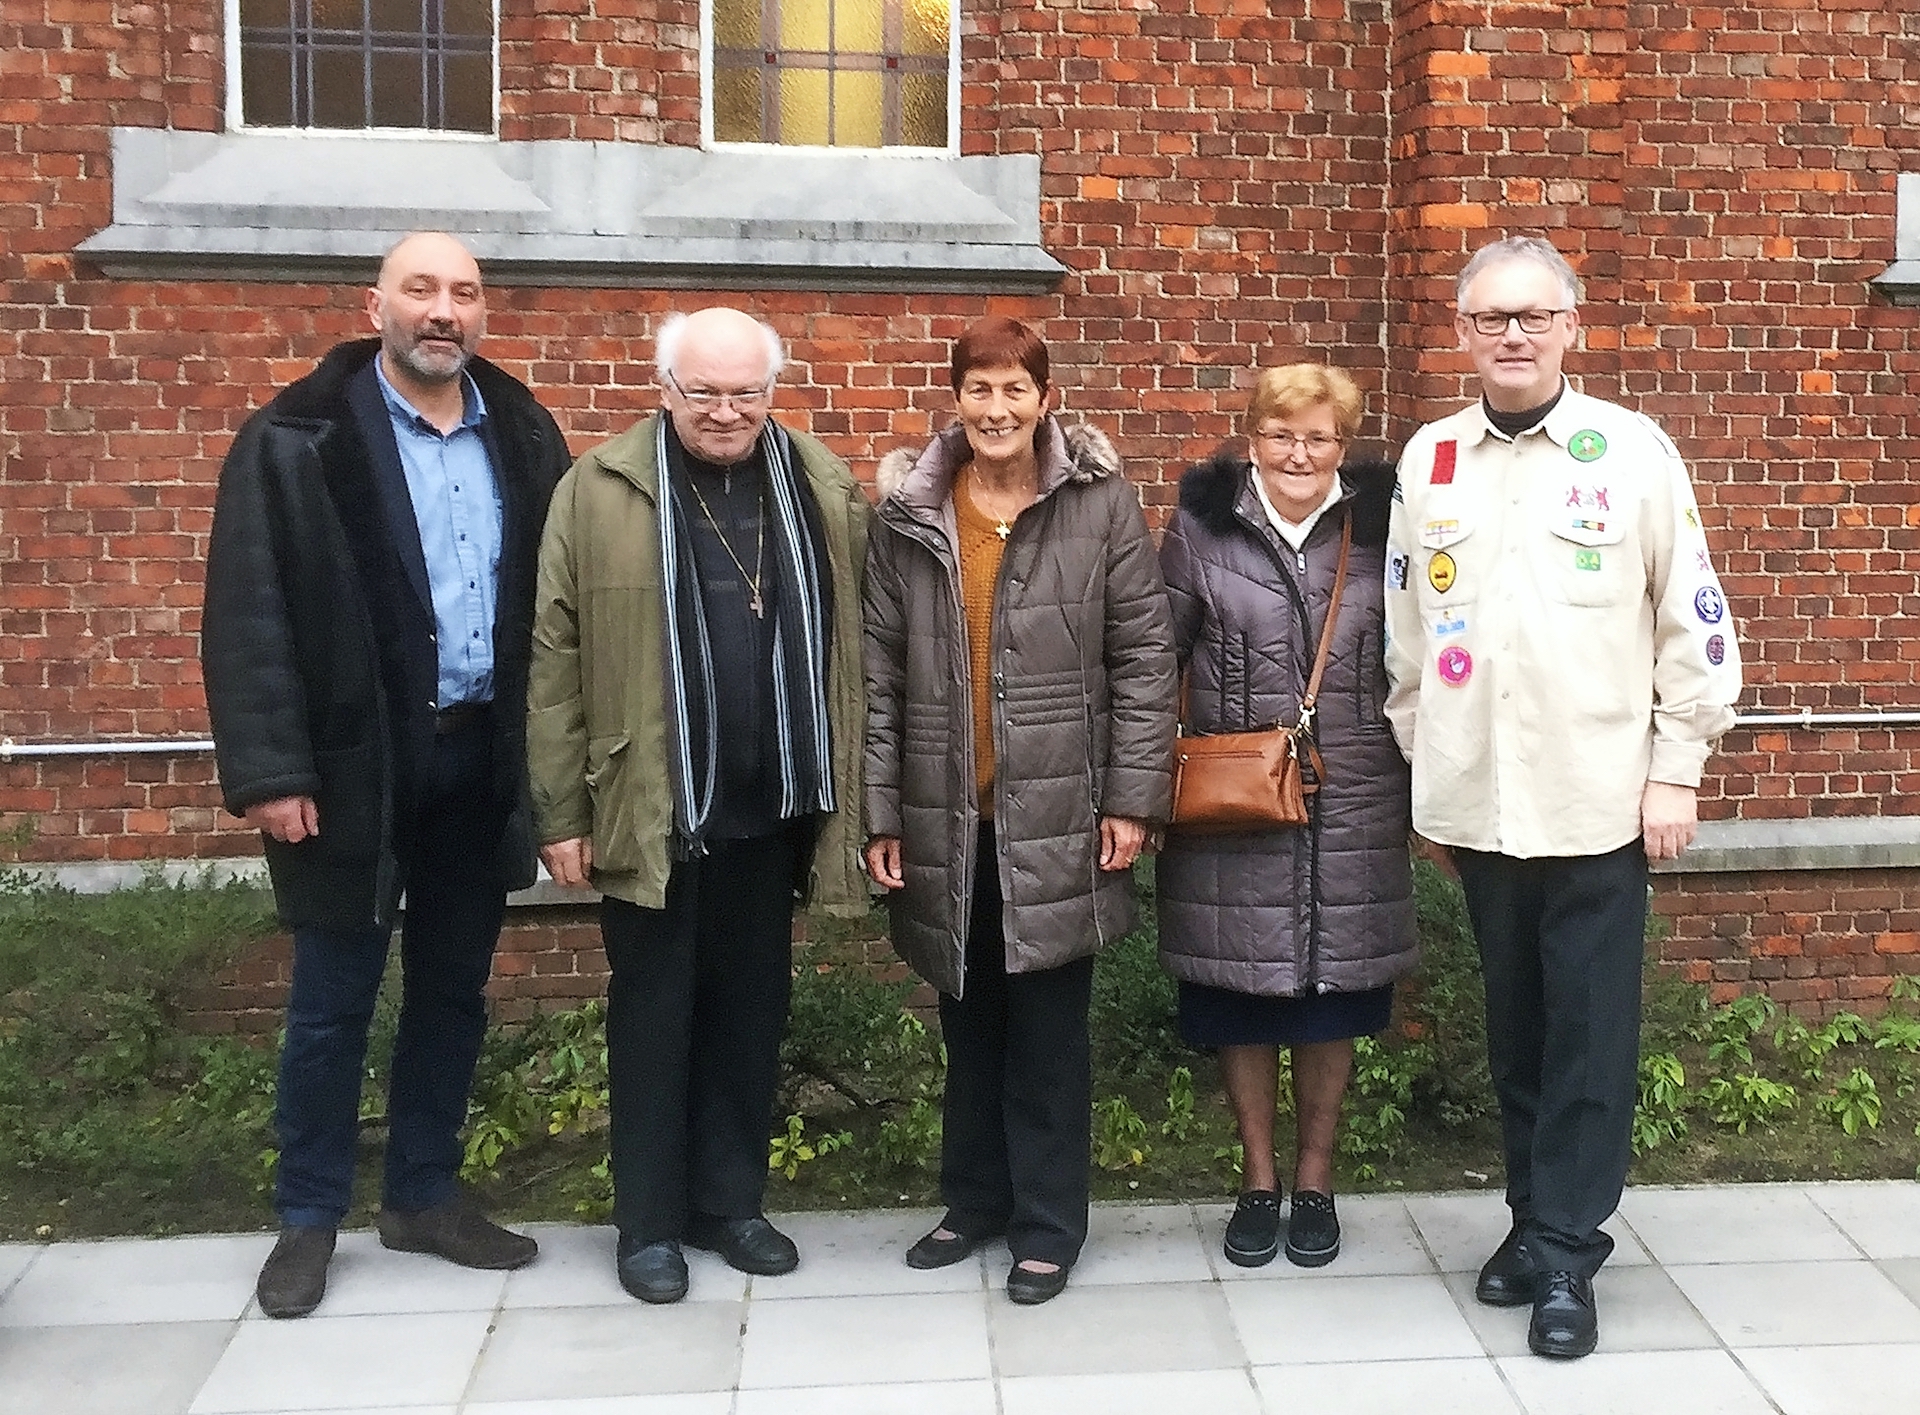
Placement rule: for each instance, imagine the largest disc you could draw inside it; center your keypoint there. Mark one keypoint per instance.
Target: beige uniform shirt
(1556, 636)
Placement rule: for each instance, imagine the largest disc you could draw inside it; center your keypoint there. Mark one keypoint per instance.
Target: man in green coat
(693, 735)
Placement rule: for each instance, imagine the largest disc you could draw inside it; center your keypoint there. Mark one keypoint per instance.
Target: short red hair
(999, 342)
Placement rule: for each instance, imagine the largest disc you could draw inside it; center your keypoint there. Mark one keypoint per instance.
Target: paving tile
(698, 1403)
(1833, 1380)
(365, 1279)
(572, 1353)
(1464, 1229)
(917, 1397)
(1635, 1383)
(1135, 1243)
(1757, 1223)
(1376, 1237)
(833, 1341)
(1162, 1326)
(1905, 1275)
(329, 1363)
(1148, 1393)
(108, 1370)
(1640, 1310)
(866, 1253)
(575, 1269)
(1462, 1387)
(134, 1280)
(1349, 1319)
(15, 1259)
(1883, 1218)
(1800, 1304)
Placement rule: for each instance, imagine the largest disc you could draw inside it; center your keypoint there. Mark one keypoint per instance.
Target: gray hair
(666, 346)
(1528, 248)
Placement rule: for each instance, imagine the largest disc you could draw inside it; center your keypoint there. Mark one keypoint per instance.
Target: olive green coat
(597, 710)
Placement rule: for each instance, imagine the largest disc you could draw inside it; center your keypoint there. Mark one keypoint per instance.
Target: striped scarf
(799, 653)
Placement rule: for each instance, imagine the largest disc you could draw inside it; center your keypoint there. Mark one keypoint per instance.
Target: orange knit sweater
(980, 550)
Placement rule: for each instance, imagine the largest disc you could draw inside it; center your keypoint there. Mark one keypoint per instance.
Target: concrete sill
(1822, 843)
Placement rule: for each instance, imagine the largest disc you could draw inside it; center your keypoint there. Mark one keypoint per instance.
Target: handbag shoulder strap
(1326, 633)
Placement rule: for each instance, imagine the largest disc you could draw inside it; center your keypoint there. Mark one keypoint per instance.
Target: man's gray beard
(416, 364)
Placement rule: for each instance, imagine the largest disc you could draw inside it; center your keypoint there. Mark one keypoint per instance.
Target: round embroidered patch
(1716, 650)
(1455, 665)
(1441, 572)
(1587, 445)
(1708, 605)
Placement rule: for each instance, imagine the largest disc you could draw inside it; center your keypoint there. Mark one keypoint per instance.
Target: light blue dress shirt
(456, 504)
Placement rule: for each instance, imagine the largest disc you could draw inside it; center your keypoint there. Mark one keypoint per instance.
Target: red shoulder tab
(1443, 455)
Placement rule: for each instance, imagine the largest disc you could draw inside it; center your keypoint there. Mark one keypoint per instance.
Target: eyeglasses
(1284, 442)
(1496, 321)
(708, 399)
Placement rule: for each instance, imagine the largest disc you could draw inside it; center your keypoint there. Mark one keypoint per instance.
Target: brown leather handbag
(1231, 782)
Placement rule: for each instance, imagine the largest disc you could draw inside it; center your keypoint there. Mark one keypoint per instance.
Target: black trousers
(696, 1007)
(1561, 944)
(1019, 1098)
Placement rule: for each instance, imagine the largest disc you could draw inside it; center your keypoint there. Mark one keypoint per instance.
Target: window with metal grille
(832, 73)
(367, 64)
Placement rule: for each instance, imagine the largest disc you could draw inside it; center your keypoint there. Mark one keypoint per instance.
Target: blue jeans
(456, 899)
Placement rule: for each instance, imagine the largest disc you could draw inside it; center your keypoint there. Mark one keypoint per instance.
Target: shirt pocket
(1437, 573)
(1585, 560)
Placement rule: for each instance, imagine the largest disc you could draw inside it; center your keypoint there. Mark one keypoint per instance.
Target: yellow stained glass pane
(805, 24)
(857, 27)
(803, 107)
(927, 28)
(736, 106)
(923, 110)
(858, 108)
(736, 24)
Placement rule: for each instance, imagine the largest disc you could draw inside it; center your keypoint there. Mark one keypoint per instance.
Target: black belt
(460, 715)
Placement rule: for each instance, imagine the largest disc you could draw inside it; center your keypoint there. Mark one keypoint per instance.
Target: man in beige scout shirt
(1561, 662)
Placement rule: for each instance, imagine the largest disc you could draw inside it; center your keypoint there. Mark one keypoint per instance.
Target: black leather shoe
(1253, 1233)
(458, 1232)
(750, 1244)
(1507, 1279)
(1029, 1288)
(933, 1251)
(1565, 1324)
(653, 1272)
(1313, 1230)
(294, 1277)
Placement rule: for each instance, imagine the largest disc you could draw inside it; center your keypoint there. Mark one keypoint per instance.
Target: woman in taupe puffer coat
(1290, 937)
(1019, 747)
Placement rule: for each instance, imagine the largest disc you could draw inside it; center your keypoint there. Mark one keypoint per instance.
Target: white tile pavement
(1791, 1299)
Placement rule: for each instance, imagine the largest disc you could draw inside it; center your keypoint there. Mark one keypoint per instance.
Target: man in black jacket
(365, 644)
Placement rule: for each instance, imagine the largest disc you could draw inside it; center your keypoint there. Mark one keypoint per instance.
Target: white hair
(666, 346)
(1528, 248)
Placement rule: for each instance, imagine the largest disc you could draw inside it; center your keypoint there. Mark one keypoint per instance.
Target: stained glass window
(367, 64)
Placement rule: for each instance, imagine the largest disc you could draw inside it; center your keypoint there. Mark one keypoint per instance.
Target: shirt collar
(1556, 424)
(1295, 534)
(474, 407)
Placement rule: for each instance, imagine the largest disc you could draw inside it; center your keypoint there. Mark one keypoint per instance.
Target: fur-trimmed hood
(924, 476)
(1211, 493)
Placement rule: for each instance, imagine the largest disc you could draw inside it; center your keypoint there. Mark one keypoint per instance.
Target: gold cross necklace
(759, 545)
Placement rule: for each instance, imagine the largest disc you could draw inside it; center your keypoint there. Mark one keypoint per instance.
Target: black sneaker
(1253, 1233)
(1313, 1230)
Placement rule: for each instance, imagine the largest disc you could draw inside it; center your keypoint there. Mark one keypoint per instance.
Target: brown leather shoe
(458, 1232)
(294, 1277)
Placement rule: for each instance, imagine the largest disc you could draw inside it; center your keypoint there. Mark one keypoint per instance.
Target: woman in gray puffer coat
(1019, 749)
(1290, 937)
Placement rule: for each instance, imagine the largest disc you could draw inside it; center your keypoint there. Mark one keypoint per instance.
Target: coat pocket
(616, 836)
(350, 800)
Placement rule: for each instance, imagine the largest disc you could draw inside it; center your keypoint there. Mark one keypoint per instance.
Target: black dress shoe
(1565, 1324)
(1313, 1230)
(457, 1231)
(933, 1251)
(751, 1245)
(294, 1277)
(1507, 1280)
(1253, 1233)
(1029, 1288)
(653, 1272)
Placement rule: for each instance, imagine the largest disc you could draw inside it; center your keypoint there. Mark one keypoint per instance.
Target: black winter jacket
(1327, 907)
(317, 643)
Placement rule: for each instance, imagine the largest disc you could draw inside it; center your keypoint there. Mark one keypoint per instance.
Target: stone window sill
(1900, 282)
(322, 206)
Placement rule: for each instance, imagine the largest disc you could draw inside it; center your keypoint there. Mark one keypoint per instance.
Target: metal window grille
(832, 73)
(367, 64)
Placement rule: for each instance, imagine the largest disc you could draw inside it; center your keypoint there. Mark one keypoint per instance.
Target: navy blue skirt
(1220, 1017)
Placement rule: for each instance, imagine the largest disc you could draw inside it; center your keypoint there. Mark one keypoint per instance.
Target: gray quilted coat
(1327, 907)
(1083, 703)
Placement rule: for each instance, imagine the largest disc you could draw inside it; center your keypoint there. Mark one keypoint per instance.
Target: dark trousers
(1015, 1133)
(696, 1007)
(1561, 945)
(456, 898)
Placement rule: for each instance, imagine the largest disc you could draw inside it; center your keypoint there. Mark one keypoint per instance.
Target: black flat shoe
(1565, 1323)
(1313, 1230)
(1253, 1233)
(653, 1272)
(1507, 1279)
(933, 1251)
(294, 1277)
(1029, 1288)
(750, 1245)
